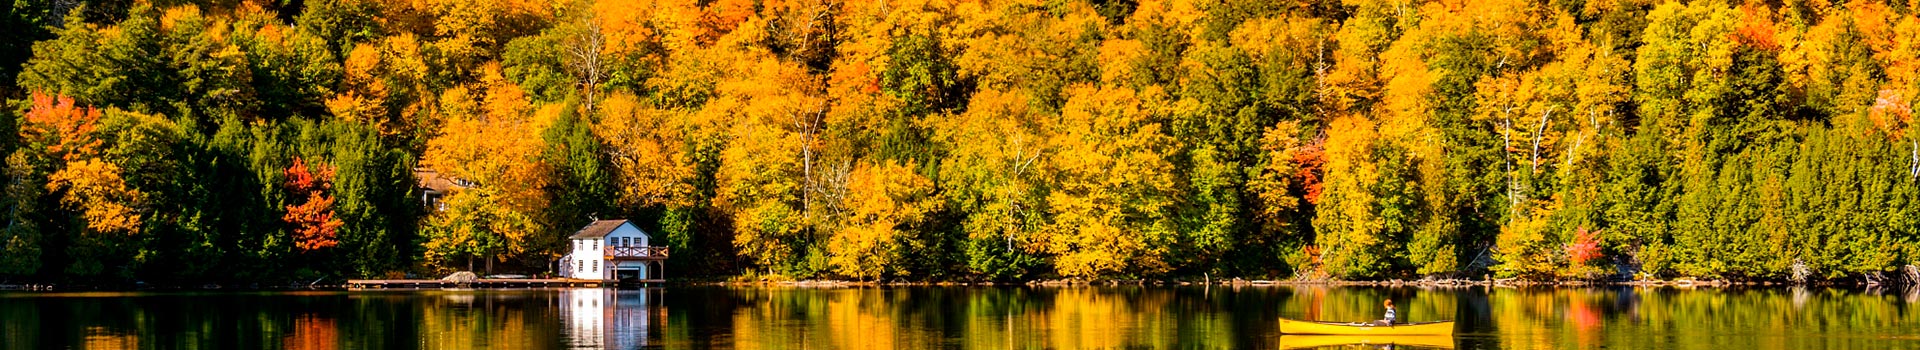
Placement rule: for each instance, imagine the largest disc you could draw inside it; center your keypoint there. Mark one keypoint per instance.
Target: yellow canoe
(1321, 341)
(1288, 326)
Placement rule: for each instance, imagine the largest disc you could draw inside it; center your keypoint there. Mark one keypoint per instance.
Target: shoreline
(1049, 284)
(832, 283)
(1446, 283)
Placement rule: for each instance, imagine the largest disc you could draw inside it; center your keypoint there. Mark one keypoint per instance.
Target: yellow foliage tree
(883, 200)
(644, 145)
(1347, 221)
(1113, 183)
(772, 174)
(492, 141)
(1284, 157)
(383, 84)
(993, 169)
(98, 190)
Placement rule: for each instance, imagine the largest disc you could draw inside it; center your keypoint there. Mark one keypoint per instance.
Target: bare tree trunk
(806, 127)
(1537, 131)
(1582, 138)
(808, 124)
(1019, 171)
(1506, 139)
(585, 61)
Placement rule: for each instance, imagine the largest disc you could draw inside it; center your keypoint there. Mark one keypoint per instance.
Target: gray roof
(597, 229)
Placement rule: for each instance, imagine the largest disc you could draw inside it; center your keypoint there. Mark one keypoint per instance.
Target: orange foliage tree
(85, 181)
(64, 129)
(314, 225)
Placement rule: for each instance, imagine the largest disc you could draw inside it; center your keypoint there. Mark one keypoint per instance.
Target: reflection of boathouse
(599, 318)
(614, 250)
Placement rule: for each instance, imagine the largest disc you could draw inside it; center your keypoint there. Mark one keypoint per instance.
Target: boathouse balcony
(636, 253)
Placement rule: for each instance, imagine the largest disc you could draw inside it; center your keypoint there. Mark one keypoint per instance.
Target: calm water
(959, 317)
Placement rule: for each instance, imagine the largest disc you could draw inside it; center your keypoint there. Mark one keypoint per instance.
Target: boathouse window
(596, 266)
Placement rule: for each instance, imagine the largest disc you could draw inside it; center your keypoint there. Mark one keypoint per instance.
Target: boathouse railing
(644, 253)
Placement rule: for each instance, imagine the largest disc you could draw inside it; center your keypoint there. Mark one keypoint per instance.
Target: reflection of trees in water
(975, 318)
(312, 332)
(1707, 318)
(1909, 292)
(522, 319)
(102, 338)
(1351, 304)
(840, 318)
(985, 318)
(477, 319)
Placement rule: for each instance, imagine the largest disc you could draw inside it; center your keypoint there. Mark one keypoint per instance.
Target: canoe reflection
(599, 318)
(1366, 341)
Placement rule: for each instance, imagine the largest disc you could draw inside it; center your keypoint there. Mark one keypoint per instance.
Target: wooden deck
(490, 283)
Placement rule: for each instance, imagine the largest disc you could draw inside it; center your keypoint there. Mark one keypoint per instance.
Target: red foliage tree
(1311, 157)
(1584, 248)
(314, 226)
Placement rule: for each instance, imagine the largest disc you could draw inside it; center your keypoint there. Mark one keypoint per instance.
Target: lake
(955, 317)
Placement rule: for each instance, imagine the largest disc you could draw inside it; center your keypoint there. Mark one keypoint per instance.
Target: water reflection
(971, 318)
(1366, 342)
(312, 332)
(606, 318)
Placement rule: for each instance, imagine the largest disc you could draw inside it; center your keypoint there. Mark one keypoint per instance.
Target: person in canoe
(1388, 321)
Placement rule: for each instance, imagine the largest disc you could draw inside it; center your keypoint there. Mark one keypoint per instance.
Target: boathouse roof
(598, 229)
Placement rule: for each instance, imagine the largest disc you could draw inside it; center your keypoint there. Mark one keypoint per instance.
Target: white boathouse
(615, 251)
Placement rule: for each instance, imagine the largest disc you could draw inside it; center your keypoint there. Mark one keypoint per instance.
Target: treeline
(1358, 139)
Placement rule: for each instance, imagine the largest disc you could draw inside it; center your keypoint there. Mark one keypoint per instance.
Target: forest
(176, 141)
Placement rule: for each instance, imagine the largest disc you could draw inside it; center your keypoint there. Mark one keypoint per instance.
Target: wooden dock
(492, 283)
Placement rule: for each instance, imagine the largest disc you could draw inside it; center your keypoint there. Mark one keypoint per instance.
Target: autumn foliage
(313, 224)
(65, 130)
(88, 183)
(1584, 249)
(967, 140)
